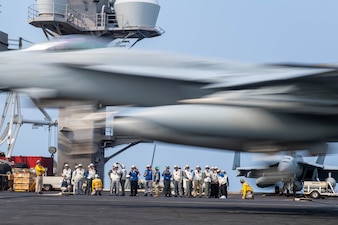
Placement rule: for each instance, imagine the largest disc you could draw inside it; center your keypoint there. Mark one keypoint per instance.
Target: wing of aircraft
(189, 100)
(319, 172)
(256, 172)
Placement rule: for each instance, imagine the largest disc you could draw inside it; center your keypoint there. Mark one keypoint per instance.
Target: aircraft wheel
(315, 195)
(5, 168)
(47, 187)
(277, 191)
(294, 191)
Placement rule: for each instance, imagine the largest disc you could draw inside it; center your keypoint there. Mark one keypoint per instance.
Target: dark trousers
(167, 189)
(214, 190)
(133, 188)
(89, 187)
(223, 190)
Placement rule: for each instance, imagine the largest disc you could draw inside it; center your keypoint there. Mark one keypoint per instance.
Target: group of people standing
(81, 181)
(211, 181)
(187, 183)
(118, 178)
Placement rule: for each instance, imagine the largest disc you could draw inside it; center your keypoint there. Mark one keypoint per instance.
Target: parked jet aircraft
(291, 171)
(192, 101)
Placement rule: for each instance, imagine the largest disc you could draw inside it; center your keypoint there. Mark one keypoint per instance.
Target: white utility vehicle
(317, 189)
(52, 183)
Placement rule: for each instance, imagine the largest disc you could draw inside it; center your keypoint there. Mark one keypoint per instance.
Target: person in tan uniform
(156, 180)
(39, 170)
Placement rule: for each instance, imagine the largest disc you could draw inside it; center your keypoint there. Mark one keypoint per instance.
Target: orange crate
(24, 187)
(23, 180)
(23, 174)
(22, 170)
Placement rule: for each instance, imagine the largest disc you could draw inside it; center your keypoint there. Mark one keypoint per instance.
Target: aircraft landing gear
(277, 190)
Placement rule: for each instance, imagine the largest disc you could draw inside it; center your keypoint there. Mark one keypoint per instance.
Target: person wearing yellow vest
(39, 170)
(96, 185)
(247, 191)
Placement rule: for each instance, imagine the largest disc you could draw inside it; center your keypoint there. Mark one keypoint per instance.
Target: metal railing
(69, 15)
(17, 43)
(52, 9)
(105, 21)
(82, 21)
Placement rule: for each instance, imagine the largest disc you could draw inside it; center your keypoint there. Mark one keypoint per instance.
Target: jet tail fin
(320, 160)
(322, 150)
(237, 160)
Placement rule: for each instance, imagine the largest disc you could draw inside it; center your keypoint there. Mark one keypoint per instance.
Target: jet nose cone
(284, 167)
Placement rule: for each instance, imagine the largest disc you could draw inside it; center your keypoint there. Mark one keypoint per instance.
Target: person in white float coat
(115, 177)
(78, 178)
(67, 173)
(177, 180)
(89, 177)
(123, 178)
(223, 181)
(207, 181)
(187, 181)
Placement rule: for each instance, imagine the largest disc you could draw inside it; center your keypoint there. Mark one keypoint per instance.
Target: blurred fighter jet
(191, 101)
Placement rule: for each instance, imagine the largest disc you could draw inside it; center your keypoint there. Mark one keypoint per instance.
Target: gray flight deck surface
(50, 208)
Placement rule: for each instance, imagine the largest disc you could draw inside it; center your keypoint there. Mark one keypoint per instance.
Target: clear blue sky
(243, 30)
